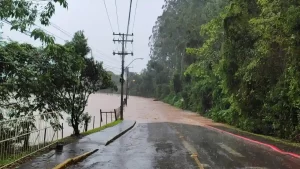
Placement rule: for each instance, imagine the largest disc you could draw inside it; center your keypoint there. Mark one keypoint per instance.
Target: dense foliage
(23, 14)
(57, 78)
(235, 61)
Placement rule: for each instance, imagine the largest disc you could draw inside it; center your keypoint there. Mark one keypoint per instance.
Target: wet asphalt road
(171, 145)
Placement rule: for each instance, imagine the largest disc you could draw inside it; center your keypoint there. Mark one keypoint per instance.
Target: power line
(135, 14)
(26, 32)
(94, 49)
(61, 30)
(108, 16)
(105, 59)
(50, 32)
(128, 20)
(116, 68)
(117, 15)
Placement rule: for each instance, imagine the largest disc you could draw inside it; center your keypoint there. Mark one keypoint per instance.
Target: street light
(133, 61)
(127, 72)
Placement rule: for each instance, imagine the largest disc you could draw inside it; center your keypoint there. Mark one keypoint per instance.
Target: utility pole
(123, 54)
(127, 87)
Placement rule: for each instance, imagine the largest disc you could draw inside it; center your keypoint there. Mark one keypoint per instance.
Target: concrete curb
(119, 135)
(74, 160)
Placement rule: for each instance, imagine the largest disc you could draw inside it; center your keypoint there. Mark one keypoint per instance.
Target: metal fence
(24, 136)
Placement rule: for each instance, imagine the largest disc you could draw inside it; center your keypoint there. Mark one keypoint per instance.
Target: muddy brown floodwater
(148, 111)
(168, 137)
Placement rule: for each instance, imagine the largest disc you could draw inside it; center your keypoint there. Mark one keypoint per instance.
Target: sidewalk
(86, 144)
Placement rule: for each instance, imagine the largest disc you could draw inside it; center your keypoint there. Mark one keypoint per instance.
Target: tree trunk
(76, 128)
(75, 124)
(86, 125)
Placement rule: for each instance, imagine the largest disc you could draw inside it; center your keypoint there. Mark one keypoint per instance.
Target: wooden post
(111, 116)
(100, 115)
(106, 118)
(115, 114)
(94, 122)
(62, 130)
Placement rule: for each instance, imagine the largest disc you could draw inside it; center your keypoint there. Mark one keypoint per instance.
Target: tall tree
(72, 77)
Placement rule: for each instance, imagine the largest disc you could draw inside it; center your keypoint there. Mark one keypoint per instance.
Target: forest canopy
(235, 61)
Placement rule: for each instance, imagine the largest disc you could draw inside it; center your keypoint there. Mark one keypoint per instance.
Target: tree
(22, 14)
(241, 69)
(72, 77)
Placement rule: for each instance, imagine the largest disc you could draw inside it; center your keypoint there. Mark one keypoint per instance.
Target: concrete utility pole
(127, 81)
(122, 53)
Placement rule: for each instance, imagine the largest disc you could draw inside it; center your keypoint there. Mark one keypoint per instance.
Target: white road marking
(230, 150)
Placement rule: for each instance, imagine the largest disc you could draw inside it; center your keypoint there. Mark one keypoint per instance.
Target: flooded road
(167, 137)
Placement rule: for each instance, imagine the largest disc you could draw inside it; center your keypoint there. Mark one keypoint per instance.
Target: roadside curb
(120, 134)
(74, 160)
(274, 148)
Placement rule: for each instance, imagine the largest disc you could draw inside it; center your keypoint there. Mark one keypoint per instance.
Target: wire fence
(24, 136)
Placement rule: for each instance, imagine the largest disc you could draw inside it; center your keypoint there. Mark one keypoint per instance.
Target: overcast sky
(90, 16)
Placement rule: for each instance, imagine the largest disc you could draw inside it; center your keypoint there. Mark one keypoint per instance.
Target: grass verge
(101, 128)
(66, 140)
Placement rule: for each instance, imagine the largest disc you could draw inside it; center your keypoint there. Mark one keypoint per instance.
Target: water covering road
(167, 137)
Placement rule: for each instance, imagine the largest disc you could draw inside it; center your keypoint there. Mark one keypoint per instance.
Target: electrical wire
(128, 21)
(134, 14)
(136, 4)
(61, 30)
(26, 32)
(93, 48)
(50, 32)
(117, 15)
(108, 17)
(105, 59)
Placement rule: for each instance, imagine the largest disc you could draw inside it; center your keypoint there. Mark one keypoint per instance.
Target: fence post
(115, 114)
(45, 136)
(94, 122)
(62, 130)
(106, 118)
(111, 117)
(101, 115)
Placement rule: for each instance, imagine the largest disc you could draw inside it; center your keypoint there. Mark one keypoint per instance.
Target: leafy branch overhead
(22, 15)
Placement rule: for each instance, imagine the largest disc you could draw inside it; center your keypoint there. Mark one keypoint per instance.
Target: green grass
(101, 128)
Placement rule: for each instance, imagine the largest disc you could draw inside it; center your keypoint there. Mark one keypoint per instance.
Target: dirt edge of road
(277, 146)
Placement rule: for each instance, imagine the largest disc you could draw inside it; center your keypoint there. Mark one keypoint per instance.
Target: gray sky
(90, 16)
